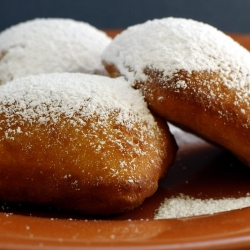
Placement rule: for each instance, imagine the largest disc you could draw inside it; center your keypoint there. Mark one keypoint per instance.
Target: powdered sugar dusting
(47, 97)
(172, 44)
(185, 206)
(100, 109)
(50, 45)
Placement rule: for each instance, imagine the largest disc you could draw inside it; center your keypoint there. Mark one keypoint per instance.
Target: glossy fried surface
(214, 116)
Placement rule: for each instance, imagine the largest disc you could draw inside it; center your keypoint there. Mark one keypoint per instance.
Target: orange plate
(200, 170)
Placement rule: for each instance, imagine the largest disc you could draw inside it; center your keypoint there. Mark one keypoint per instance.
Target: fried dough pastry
(190, 73)
(49, 45)
(81, 143)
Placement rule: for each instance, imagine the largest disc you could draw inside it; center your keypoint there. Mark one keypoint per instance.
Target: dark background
(226, 15)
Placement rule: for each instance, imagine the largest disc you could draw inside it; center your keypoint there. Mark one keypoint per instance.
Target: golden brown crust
(112, 70)
(80, 178)
(215, 118)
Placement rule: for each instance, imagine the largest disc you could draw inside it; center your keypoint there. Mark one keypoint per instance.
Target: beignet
(191, 74)
(80, 142)
(51, 45)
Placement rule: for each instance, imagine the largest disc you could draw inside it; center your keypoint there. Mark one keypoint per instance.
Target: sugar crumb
(185, 206)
